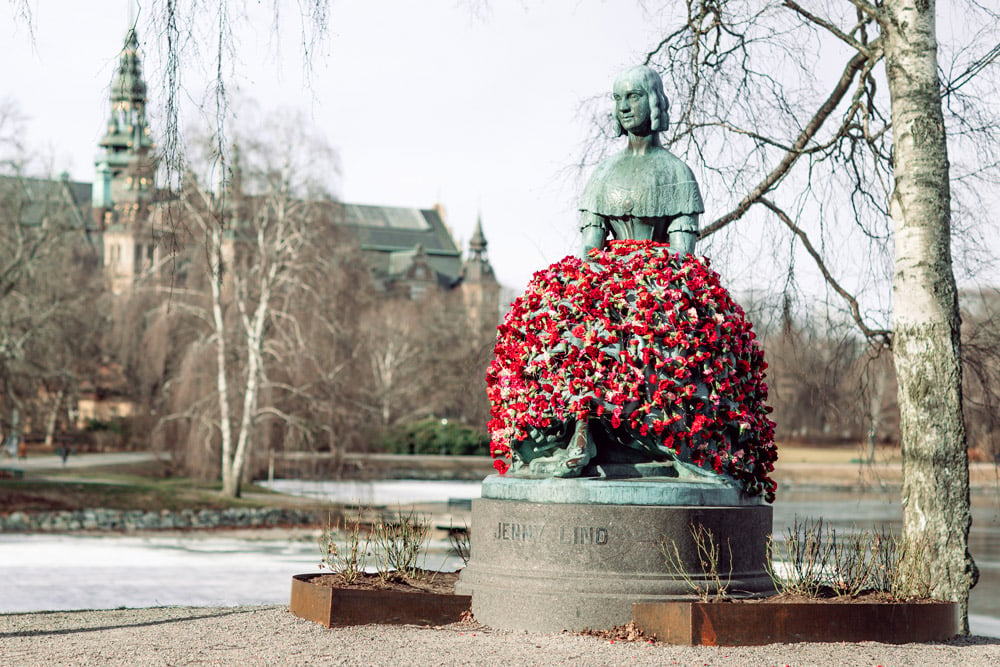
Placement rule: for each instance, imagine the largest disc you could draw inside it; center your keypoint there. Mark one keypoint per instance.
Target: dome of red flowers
(649, 344)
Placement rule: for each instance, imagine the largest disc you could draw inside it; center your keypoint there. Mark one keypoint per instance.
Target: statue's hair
(659, 106)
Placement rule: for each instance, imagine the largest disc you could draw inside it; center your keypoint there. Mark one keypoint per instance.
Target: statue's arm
(683, 233)
(594, 232)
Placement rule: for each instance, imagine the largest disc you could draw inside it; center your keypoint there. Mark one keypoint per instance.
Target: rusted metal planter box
(755, 623)
(331, 606)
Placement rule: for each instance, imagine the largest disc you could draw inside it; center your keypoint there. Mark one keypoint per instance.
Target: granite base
(554, 566)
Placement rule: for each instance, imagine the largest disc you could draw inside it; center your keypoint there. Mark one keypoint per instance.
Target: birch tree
(825, 125)
(926, 325)
(266, 247)
(250, 235)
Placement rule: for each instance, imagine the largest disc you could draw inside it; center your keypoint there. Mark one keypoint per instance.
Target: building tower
(125, 168)
(480, 289)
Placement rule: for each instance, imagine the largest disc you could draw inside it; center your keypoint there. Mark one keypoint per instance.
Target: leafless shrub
(916, 579)
(343, 548)
(460, 542)
(398, 542)
(854, 559)
(710, 561)
(815, 560)
(806, 556)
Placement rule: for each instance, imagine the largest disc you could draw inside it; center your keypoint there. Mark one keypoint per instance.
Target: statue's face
(632, 106)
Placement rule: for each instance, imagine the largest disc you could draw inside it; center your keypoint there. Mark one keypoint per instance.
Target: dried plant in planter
(710, 560)
(460, 542)
(815, 561)
(805, 555)
(398, 543)
(343, 549)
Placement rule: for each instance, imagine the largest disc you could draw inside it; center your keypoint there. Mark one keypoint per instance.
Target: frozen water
(382, 492)
(59, 572)
(51, 572)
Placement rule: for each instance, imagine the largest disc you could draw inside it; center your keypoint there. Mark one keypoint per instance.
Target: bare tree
(427, 356)
(811, 378)
(250, 236)
(48, 281)
(458, 356)
(397, 354)
(266, 249)
(878, 390)
(852, 164)
(317, 369)
(981, 358)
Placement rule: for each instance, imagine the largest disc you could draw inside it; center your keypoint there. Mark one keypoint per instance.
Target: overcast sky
(481, 106)
(474, 105)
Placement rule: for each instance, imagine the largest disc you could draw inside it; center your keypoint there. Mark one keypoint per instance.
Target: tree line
(829, 385)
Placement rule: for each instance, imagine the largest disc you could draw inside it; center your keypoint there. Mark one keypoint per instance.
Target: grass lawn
(788, 453)
(132, 487)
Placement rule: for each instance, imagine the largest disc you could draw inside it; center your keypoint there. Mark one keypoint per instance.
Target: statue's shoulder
(655, 184)
(665, 161)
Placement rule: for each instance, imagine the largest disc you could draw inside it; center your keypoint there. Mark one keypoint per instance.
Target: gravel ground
(272, 636)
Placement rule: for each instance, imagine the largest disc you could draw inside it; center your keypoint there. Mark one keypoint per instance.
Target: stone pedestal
(551, 555)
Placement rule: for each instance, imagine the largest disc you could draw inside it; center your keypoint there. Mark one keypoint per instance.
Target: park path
(270, 635)
(44, 462)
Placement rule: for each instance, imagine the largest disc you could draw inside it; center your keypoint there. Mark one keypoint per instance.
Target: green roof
(38, 198)
(389, 236)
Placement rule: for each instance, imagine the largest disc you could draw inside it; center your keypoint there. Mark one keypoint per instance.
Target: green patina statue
(632, 360)
(644, 193)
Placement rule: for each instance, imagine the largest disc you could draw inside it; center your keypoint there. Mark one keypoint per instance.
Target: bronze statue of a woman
(633, 360)
(644, 193)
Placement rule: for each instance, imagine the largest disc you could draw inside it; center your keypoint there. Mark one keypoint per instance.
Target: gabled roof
(38, 198)
(389, 236)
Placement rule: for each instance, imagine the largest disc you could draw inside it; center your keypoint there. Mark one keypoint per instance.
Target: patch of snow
(62, 572)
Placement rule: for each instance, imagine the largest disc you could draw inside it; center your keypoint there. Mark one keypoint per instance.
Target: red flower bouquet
(650, 349)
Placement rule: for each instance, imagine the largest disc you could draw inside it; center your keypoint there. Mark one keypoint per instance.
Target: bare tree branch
(856, 65)
(831, 28)
(883, 336)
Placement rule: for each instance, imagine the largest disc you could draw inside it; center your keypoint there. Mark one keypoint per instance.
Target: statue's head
(648, 81)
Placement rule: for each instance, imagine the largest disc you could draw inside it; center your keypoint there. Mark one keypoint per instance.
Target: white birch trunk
(273, 250)
(254, 329)
(926, 349)
(50, 420)
(383, 363)
(222, 383)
